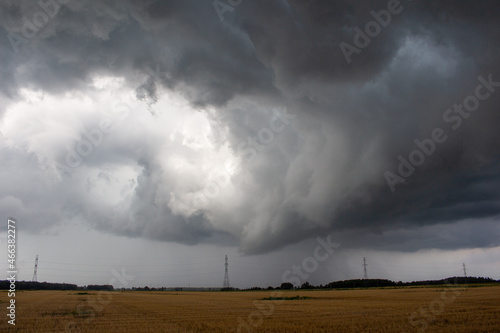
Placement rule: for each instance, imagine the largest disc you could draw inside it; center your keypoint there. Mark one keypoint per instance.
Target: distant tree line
(374, 283)
(98, 287)
(453, 280)
(365, 283)
(146, 288)
(345, 284)
(32, 285)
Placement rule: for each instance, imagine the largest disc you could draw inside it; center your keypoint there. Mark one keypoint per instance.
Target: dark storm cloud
(325, 172)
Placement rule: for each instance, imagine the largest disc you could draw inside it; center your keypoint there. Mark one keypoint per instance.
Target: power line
(465, 270)
(131, 265)
(150, 270)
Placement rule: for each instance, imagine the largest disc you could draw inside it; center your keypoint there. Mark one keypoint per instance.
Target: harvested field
(423, 309)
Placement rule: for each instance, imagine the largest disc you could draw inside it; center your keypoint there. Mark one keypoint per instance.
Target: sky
(142, 141)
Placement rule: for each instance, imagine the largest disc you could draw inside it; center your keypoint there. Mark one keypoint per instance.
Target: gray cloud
(158, 174)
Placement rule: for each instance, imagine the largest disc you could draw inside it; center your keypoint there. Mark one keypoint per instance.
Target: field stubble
(369, 310)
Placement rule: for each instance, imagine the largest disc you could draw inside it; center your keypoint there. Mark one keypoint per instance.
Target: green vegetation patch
(286, 298)
(58, 312)
(82, 313)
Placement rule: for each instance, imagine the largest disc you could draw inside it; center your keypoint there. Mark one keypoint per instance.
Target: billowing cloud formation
(259, 123)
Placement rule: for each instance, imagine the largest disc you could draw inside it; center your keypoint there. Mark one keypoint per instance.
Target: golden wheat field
(436, 309)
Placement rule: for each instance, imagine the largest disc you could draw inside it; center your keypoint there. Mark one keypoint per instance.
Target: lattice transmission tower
(226, 276)
(365, 276)
(35, 278)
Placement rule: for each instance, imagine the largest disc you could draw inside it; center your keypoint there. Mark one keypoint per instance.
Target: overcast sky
(156, 137)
